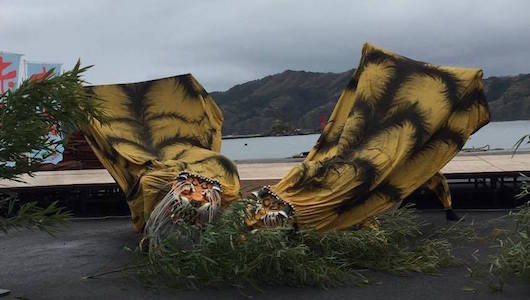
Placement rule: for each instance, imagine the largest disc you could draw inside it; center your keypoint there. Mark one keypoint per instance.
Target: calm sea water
(498, 135)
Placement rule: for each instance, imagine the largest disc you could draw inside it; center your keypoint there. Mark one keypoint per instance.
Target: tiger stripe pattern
(156, 129)
(394, 127)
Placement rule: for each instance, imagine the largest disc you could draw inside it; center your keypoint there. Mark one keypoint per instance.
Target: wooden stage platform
(468, 165)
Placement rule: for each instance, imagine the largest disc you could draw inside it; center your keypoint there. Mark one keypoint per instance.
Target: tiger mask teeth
(271, 219)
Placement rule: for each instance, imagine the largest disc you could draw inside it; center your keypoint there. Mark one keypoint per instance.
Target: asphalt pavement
(35, 265)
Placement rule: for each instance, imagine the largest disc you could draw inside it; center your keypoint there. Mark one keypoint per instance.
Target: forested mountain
(296, 100)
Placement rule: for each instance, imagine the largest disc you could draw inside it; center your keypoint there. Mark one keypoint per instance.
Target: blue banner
(38, 70)
(9, 71)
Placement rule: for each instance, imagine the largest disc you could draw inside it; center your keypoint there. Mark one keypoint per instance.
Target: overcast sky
(224, 43)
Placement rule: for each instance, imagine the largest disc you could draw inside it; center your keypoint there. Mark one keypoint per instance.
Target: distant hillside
(509, 97)
(297, 99)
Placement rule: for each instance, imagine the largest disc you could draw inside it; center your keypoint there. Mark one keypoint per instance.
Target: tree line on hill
(293, 102)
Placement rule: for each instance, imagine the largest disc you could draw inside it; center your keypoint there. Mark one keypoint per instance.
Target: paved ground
(34, 265)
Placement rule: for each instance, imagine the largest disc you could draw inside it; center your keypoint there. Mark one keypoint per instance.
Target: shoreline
(306, 132)
(300, 159)
(258, 135)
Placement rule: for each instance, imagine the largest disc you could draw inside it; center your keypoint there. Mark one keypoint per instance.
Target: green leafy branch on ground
(513, 258)
(30, 216)
(225, 253)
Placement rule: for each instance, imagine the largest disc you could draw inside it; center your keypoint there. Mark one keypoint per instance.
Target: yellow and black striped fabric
(155, 130)
(397, 123)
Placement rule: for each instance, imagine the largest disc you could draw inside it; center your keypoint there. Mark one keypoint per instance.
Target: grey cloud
(229, 42)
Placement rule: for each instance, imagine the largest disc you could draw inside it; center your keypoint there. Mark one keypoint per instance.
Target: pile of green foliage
(227, 254)
(513, 258)
(14, 215)
(26, 116)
